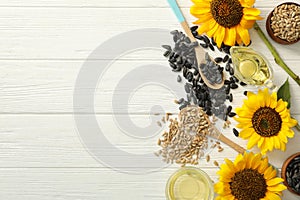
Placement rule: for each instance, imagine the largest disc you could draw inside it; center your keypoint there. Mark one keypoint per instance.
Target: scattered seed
(216, 163)
(235, 132)
(242, 83)
(207, 158)
(204, 45)
(159, 124)
(194, 28)
(232, 114)
(184, 142)
(225, 59)
(211, 47)
(179, 78)
(233, 86)
(218, 59)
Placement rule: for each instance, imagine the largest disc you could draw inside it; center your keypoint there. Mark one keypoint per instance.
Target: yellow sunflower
(226, 21)
(265, 121)
(249, 177)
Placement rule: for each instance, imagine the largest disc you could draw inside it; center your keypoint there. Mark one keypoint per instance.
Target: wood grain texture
(44, 45)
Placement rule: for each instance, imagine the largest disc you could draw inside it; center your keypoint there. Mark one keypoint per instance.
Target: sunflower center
(266, 122)
(248, 184)
(227, 13)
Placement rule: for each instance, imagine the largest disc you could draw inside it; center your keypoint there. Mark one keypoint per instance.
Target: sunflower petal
(247, 3)
(230, 36)
(196, 10)
(281, 106)
(251, 11)
(276, 188)
(246, 133)
(247, 23)
(274, 181)
(269, 173)
(253, 140)
(213, 28)
(244, 34)
(203, 18)
(272, 196)
(205, 26)
(220, 36)
(252, 17)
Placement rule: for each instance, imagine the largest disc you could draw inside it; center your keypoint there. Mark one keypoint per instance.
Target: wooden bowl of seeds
(290, 172)
(283, 23)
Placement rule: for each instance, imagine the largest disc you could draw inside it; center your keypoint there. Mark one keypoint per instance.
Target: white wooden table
(43, 46)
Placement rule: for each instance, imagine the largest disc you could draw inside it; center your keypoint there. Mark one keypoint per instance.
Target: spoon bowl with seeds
(199, 52)
(212, 130)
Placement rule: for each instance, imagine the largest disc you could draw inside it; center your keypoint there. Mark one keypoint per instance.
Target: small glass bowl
(189, 183)
(283, 172)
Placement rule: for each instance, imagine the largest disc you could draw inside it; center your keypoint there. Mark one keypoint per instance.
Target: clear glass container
(252, 67)
(189, 183)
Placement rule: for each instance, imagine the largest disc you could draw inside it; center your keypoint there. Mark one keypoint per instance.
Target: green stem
(277, 58)
(298, 127)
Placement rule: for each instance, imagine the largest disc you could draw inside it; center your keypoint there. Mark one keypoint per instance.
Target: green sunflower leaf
(284, 93)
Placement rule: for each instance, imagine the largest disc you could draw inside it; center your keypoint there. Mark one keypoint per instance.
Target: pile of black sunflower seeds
(182, 60)
(293, 174)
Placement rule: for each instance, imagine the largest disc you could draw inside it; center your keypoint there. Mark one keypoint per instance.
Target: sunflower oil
(189, 184)
(250, 66)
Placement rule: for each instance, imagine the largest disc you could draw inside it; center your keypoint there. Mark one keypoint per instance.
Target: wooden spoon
(200, 53)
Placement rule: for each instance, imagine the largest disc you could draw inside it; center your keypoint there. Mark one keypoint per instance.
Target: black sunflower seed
(235, 79)
(167, 47)
(199, 37)
(213, 42)
(227, 67)
(187, 88)
(242, 83)
(189, 76)
(235, 132)
(211, 47)
(205, 39)
(227, 90)
(218, 59)
(172, 65)
(179, 78)
(245, 93)
(231, 71)
(233, 86)
(231, 114)
(225, 59)
(227, 82)
(226, 49)
(204, 45)
(194, 28)
(229, 109)
(167, 53)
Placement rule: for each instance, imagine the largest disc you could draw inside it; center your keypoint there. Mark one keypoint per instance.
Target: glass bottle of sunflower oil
(251, 67)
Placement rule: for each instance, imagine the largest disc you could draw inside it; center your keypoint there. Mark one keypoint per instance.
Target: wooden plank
(107, 3)
(57, 33)
(48, 87)
(56, 141)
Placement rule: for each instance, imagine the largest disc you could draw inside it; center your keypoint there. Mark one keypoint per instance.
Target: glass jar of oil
(251, 67)
(189, 183)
